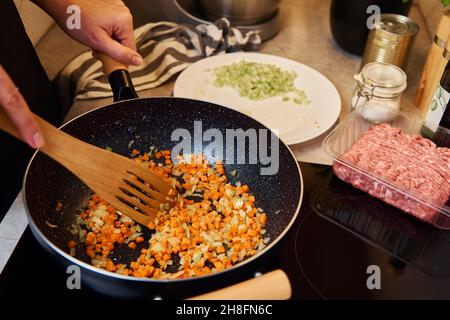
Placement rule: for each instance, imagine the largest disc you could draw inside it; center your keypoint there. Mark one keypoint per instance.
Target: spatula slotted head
(131, 188)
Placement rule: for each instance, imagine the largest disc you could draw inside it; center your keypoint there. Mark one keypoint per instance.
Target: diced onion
(238, 203)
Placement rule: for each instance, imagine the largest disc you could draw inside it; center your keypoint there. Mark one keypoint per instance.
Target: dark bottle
(438, 114)
(442, 137)
(348, 20)
(445, 83)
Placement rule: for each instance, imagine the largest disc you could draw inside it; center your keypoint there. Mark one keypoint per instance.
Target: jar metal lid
(382, 74)
(397, 25)
(382, 79)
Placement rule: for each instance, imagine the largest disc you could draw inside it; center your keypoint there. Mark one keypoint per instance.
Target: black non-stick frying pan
(142, 123)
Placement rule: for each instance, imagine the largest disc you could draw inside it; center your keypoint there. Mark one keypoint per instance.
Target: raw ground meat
(410, 162)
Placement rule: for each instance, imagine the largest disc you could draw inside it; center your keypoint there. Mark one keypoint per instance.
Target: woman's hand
(17, 109)
(106, 26)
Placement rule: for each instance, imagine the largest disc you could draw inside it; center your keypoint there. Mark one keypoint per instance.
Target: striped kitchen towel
(167, 48)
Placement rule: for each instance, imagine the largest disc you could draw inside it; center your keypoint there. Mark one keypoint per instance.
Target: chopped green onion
(258, 81)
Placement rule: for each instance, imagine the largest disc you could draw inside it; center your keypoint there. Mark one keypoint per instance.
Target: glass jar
(379, 90)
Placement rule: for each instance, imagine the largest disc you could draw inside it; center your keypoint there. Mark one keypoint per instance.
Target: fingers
(124, 32)
(17, 109)
(116, 50)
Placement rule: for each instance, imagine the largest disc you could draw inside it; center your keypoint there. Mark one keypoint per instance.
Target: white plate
(296, 123)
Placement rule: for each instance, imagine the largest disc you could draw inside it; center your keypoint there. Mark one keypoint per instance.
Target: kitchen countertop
(304, 36)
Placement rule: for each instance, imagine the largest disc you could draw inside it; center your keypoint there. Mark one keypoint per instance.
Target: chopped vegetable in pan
(259, 81)
(212, 226)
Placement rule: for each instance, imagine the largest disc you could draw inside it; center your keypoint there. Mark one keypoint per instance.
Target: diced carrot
(251, 233)
(263, 218)
(220, 249)
(187, 185)
(90, 253)
(59, 206)
(186, 222)
(185, 243)
(111, 209)
(72, 244)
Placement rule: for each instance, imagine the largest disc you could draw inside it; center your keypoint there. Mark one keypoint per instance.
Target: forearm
(49, 4)
(57, 9)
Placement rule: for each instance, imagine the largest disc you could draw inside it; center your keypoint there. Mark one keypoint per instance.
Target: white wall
(36, 21)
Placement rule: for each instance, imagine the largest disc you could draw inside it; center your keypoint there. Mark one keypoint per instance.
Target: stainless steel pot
(240, 12)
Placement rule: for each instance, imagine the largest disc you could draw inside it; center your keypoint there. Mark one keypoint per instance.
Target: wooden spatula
(274, 285)
(130, 188)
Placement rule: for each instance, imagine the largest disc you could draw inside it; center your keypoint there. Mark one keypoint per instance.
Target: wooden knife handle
(434, 67)
(443, 28)
(274, 285)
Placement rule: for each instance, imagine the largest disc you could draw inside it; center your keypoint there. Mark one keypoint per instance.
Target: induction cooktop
(344, 245)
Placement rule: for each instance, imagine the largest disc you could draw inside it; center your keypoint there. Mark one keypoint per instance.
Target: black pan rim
(37, 232)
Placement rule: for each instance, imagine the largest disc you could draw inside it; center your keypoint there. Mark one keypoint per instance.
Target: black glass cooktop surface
(344, 245)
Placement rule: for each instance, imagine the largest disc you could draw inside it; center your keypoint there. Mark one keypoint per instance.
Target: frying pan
(140, 123)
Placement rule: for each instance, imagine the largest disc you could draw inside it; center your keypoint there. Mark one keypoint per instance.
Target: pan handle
(119, 78)
(274, 285)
